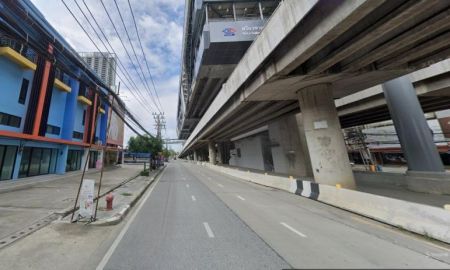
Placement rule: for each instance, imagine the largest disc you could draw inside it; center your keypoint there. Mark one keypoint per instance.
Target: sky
(160, 25)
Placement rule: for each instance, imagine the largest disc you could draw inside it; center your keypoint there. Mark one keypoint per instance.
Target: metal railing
(19, 47)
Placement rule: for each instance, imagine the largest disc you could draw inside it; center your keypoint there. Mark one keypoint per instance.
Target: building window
(9, 120)
(23, 91)
(53, 130)
(37, 161)
(247, 11)
(268, 7)
(73, 160)
(84, 118)
(77, 135)
(220, 12)
(7, 160)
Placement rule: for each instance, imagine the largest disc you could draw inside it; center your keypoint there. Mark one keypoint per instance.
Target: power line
(121, 66)
(135, 55)
(143, 52)
(90, 38)
(128, 54)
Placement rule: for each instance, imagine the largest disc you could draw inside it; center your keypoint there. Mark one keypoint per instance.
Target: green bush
(145, 173)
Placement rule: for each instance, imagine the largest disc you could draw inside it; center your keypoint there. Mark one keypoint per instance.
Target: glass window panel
(53, 160)
(25, 162)
(268, 7)
(35, 161)
(247, 11)
(8, 162)
(220, 12)
(45, 161)
(2, 152)
(14, 121)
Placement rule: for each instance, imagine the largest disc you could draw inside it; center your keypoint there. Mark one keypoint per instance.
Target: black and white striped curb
(306, 189)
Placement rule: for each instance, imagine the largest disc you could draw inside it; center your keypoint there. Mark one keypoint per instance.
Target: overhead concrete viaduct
(343, 47)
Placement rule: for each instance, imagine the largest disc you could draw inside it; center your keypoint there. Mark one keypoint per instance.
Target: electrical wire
(134, 52)
(121, 66)
(126, 50)
(90, 38)
(143, 52)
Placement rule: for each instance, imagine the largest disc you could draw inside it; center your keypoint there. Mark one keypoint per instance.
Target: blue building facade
(48, 119)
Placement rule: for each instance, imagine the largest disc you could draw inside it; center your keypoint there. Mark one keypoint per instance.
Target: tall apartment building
(104, 64)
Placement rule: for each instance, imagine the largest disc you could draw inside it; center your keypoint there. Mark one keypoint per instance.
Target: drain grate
(38, 224)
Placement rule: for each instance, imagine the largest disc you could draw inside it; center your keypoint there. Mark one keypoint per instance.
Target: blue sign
(229, 32)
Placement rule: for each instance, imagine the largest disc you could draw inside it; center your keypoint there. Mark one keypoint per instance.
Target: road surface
(196, 218)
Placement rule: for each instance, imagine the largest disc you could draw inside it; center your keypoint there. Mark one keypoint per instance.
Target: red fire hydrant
(109, 201)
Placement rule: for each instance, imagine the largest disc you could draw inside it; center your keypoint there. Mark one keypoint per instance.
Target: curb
(68, 210)
(429, 221)
(118, 217)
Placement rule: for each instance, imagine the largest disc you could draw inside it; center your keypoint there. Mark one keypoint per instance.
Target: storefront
(74, 160)
(7, 160)
(37, 161)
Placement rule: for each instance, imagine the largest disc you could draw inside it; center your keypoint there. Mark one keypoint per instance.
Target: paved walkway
(23, 202)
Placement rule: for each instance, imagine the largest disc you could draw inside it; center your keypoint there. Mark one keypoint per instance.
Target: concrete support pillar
(327, 150)
(62, 159)
(412, 129)
(195, 155)
(219, 153)
(304, 146)
(212, 152)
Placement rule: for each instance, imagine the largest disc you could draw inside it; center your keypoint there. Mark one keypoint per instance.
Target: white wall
(251, 153)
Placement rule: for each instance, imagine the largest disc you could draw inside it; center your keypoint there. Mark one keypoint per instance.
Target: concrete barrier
(422, 219)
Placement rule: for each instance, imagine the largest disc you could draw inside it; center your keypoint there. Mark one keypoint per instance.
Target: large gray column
(195, 155)
(304, 145)
(219, 153)
(212, 152)
(326, 145)
(412, 129)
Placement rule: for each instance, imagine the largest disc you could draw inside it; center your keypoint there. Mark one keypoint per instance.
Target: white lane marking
(208, 230)
(193, 198)
(292, 229)
(116, 242)
(220, 185)
(187, 185)
(241, 198)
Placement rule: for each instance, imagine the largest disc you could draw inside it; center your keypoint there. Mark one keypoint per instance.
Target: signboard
(235, 30)
(87, 198)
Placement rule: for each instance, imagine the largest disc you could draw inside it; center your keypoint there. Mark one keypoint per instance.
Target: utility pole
(160, 123)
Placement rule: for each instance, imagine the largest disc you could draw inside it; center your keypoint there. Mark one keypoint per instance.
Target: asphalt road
(196, 218)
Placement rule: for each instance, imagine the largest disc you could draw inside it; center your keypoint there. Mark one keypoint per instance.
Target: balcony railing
(20, 48)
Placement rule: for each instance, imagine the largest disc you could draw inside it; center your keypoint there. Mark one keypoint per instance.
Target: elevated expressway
(351, 45)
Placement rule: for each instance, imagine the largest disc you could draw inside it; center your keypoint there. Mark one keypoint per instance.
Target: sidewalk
(126, 196)
(26, 205)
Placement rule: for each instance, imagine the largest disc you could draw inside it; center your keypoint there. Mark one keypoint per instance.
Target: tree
(145, 144)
